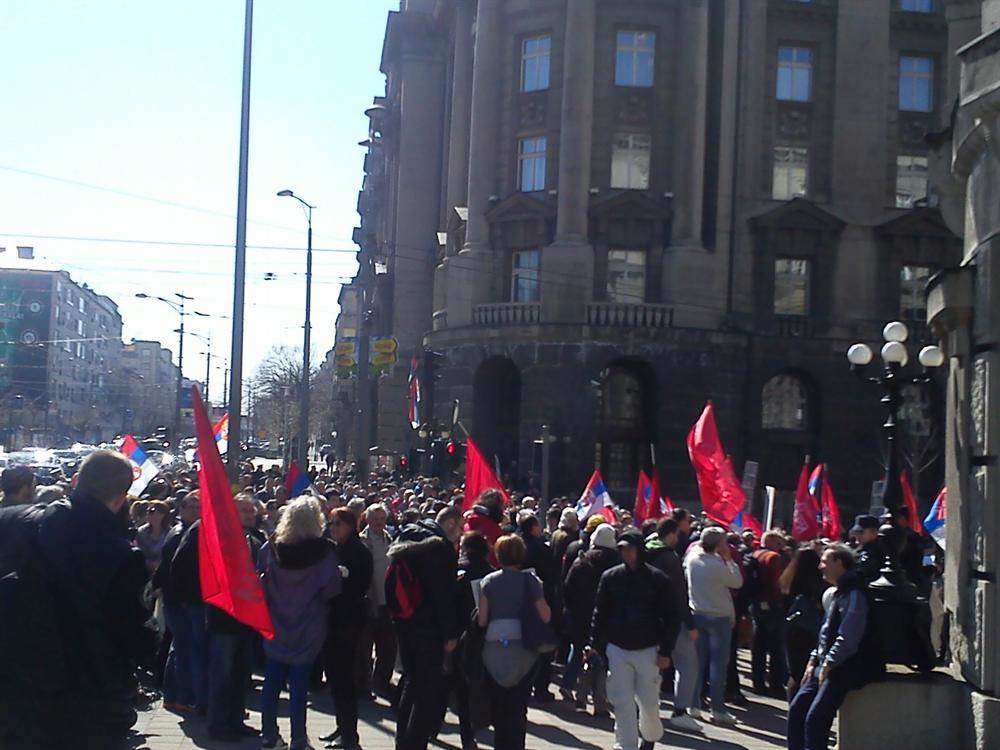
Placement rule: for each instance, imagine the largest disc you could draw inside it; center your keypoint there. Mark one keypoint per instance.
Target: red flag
(911, 503)
(643, 498)
(662, 504)
(805, 525)
(830, 512)
(228, 579)
(479, 476)
(722, 497)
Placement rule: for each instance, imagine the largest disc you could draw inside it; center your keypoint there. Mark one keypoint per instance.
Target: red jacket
(476, 519)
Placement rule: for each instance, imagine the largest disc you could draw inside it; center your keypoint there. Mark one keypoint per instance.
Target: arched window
(622, 400)
(785, 404)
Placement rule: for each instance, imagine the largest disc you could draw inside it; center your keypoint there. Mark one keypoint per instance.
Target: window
(535, 55)
(791, 173)
(524, 276)
(911, 180)
(627, 276)
(83, 305)
(794, 74)
(630, 161)
(634, 58)
(916, 84)
(791, 286)
(917, 6)
(913, 292)
(531, 164)
(784, 404)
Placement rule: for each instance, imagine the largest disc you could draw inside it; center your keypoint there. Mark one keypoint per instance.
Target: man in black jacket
(635, 626)
(95, 581)
(431, 630)
(871, 553)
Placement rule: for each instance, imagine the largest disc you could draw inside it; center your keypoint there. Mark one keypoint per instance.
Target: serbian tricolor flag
(479, 476)
(228, 579)
(596, 500)
(415, 396)
(143, 468)
(221, 433)
(806, 517)
(722, 497)
(296, 482)
(911, 503)
(936, 522)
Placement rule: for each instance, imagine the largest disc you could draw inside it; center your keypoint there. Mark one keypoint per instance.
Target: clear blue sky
(144, 98)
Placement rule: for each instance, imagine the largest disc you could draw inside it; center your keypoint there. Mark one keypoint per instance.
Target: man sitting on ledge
(846, 656)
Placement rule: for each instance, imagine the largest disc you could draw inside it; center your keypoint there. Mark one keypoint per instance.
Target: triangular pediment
(518, 207)
(457, 217)
(922, 221)
(623, 204)
(798, 213)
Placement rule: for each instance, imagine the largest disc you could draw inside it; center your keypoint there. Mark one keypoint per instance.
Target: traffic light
(451, 448)
(404, 465)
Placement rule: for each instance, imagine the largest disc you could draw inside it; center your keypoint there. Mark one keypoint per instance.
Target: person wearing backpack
(421, 594)
(846, 656)
(766, 608)
(89, 626)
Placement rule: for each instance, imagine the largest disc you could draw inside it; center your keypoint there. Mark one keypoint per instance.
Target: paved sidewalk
(554, 725)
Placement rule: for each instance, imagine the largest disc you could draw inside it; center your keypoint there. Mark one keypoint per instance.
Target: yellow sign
(383, 358)
(345, 347)
(384, 346)
(347, 361)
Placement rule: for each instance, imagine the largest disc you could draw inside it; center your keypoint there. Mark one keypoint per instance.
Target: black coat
(670, 563)
(352, 607)
(871, 557)
(162, 578)
(635, 609)
(580, 590)
(434, 563)
(98, 578)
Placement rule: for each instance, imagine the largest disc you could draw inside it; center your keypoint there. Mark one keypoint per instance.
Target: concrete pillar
(567, 266)
(468, 274)
(461, 99)
(860, 131)
(689, 151)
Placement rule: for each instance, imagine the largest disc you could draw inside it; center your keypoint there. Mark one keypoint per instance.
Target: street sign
(750, 469)
(344, 348)
(385, 346)
(383, 358)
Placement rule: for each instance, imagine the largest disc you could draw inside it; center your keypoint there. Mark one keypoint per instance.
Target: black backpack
(33, 653)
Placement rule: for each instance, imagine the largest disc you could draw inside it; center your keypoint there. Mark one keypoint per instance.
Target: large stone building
(604, 213)
(61, 344)
(149, 376)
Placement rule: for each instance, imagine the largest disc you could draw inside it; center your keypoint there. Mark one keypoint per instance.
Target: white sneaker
(696, 713)
(684, 723)
(723, 718)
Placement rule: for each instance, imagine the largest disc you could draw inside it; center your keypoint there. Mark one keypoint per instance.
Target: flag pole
(240, 270)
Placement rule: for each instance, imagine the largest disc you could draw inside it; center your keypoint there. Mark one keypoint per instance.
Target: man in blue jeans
(846, 656)
(712, 575)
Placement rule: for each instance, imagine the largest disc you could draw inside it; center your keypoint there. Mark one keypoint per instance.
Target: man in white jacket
(712, 577)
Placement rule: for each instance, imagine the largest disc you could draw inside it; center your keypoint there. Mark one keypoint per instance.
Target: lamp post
(303, 453)
(178, 307)
(897, 608)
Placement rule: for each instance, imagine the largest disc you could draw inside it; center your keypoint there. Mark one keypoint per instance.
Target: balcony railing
(507, 314)
(795, 326)
(624, 315)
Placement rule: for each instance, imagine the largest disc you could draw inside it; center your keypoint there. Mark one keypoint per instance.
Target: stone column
(469, 277)
(567, 266)
(461, 100)
(689, 150)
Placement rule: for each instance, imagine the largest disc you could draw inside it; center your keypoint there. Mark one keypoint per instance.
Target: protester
(151, 536)
(347, 622)
(76, 693)
(712, 575)
(846, 656)
(485, 516)
(802, 583)
(634, 629)
(871, 553)
(378, 631)
(766, 607)
(18, 486)
(423, 563)
(300, 573)
(509, 664)
(473, 566)
(579, 596)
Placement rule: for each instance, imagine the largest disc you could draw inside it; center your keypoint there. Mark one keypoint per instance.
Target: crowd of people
(479, 607)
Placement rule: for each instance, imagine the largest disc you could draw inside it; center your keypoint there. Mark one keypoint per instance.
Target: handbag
(535, 635)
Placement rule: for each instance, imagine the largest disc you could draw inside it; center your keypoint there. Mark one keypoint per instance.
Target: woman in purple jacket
(301, 574)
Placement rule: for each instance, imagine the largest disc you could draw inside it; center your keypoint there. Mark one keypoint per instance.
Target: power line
(168, 243)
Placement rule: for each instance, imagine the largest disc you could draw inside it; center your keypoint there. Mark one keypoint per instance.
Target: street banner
(143, 468)
(479, 476)
(228, 579)
(722, 498)
(414, 396)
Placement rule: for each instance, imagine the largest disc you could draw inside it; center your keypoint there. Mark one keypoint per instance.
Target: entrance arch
(496, 397)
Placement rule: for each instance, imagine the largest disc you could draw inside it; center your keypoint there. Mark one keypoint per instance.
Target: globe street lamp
(897, 611)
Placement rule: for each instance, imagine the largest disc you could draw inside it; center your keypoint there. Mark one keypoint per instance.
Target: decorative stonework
(794, 123)
(912, 132)
(532, 112)
(632, 108)
(979, 404)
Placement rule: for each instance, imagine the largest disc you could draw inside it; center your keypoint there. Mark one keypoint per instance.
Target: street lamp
(177, 307)
(896, 606)
(303, 456)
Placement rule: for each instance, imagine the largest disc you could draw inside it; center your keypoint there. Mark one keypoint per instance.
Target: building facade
(149, 377)
(604, 213)
(61, 348)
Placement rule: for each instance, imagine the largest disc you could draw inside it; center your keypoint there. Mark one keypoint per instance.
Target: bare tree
(275, 389)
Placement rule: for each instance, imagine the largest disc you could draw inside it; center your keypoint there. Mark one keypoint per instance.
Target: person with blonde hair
(300, 572)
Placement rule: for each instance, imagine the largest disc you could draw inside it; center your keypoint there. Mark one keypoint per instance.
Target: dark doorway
(497, 412)
(626, 406)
